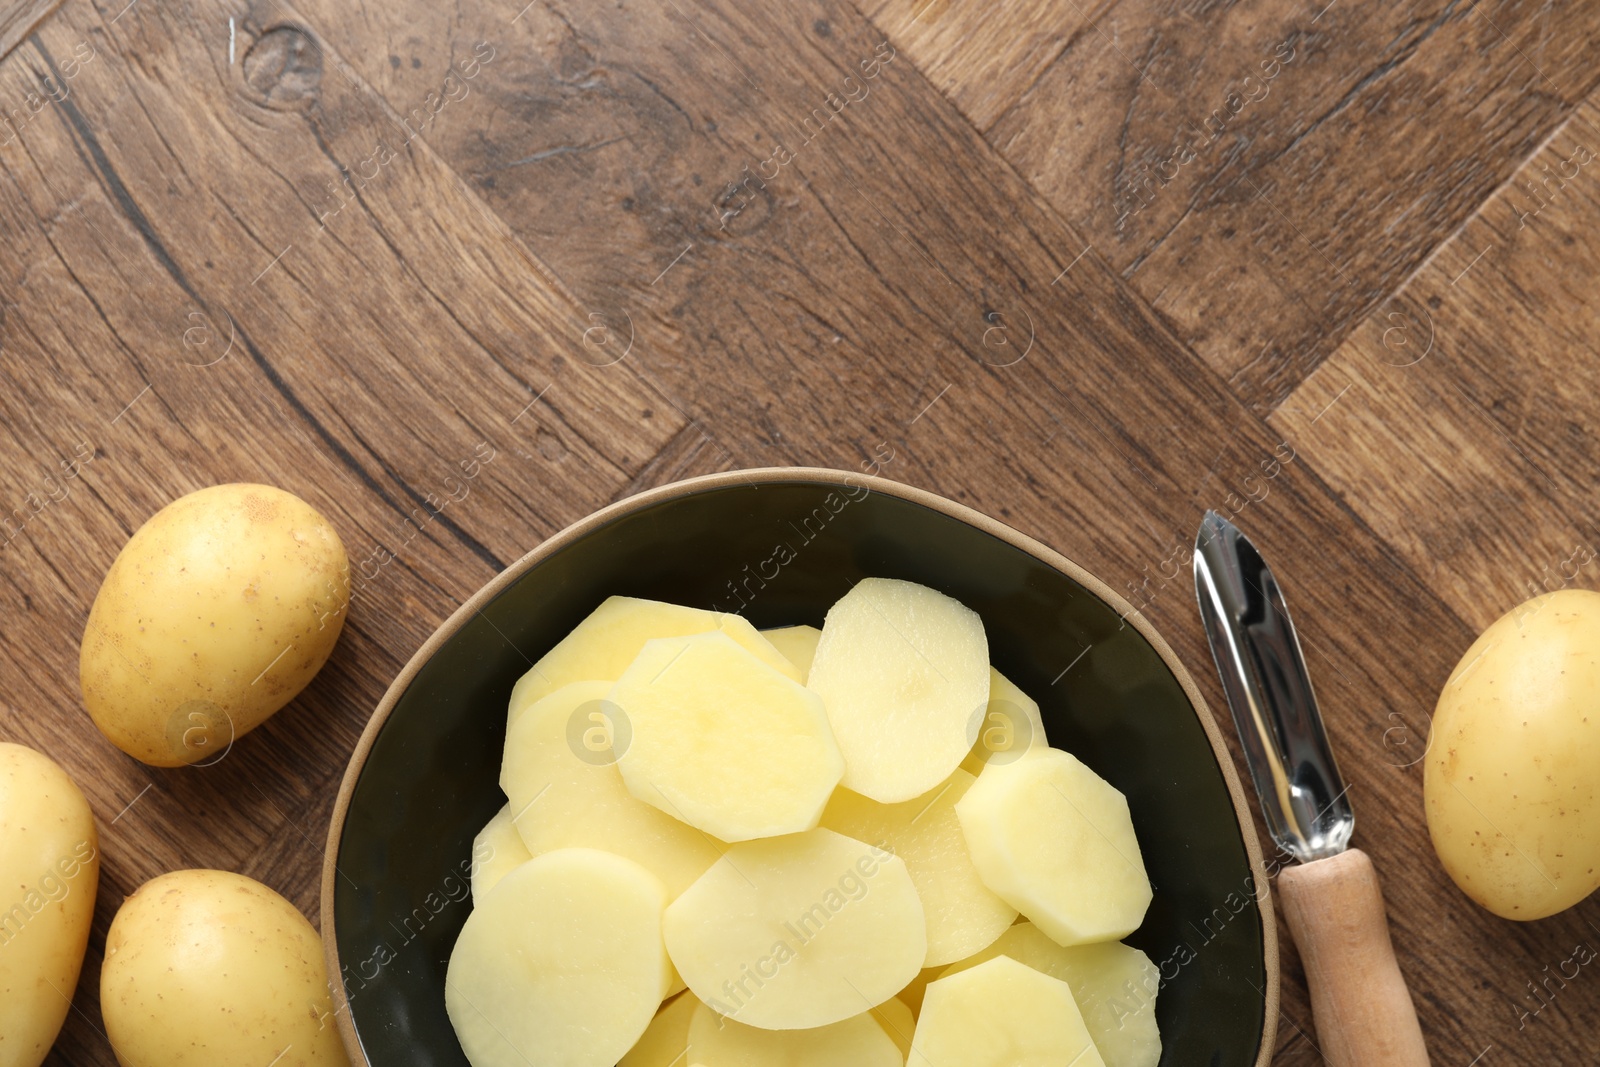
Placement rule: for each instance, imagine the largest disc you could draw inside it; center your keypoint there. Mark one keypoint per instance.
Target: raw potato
(962, 914)
(1002, 1014)
(917, 988)
(560, 800)
(600, 647)
(218, 611)
(562, 964)
(666, 1040)
(1114, 985)
(1055, 841)
(904, 672)
(1011, 726)
(799, 931)
(667, 766)
(502, 849)
(722, 741)
(1511, 783)
(213, 969)
(899, 1022)
(859, 1041)
(798, 645)
(49, 872)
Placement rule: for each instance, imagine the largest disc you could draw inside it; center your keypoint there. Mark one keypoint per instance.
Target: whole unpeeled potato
(1512, 777)
(213, 969)
(49, 871)
(218, 611)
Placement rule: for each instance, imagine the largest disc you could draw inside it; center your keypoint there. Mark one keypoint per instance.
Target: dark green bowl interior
(430, 782)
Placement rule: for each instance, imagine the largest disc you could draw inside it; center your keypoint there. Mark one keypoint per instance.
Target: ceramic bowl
(779, 546)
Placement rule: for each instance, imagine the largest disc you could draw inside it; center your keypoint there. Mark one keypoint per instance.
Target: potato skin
(213, 969)
(1511, 782)
(218, 611)
(49, 872)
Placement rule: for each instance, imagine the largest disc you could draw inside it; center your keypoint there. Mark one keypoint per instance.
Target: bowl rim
(754, 477)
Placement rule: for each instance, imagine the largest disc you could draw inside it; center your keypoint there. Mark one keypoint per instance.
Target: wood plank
(894, 292)
(852, 300)
(174, 308)
(462, 284)
(1481, 484)
(984, 57)
(18, 18)
(688, 455)
(1459, 430)
(1263, 219)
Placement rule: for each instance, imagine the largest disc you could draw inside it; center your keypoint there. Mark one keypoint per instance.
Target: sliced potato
(1115, 986)
(666, 1040)
(904, 671)
(601, 646)
(1055, 841)
(749, 638)
(722, 741)
(859, 1041)
(899, 1022)
(562, 800)
(799, 931)
(917, 988)
(496, 851)
(1011, 725)
(1002, 1014)
(798, 645)
(561, 965)
(962, 913)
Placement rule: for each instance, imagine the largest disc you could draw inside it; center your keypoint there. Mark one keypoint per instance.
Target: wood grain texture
(1264, 173)
(1456, 420)
(1363, 1010)
(151, 221)
(1477, 384)
(411, 262)
(984, 57)
(18, 18)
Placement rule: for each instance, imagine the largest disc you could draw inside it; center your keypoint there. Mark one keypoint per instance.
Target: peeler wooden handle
(1364, 1015)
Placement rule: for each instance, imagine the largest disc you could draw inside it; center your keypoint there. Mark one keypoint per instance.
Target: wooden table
(1089, 266)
